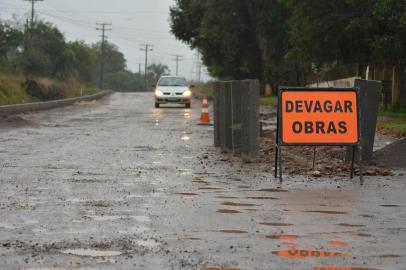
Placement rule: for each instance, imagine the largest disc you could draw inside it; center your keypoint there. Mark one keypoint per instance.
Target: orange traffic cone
(204, 116)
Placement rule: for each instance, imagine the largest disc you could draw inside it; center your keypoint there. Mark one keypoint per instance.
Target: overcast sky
(134, 22)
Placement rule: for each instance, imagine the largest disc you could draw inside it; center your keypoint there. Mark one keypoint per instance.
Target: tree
(84, 60)
(114, 60)
(11, 43)
(156, 71)
(238, 39)
(45, 51)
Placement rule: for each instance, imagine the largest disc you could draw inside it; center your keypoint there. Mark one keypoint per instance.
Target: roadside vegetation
(269, 100)
(393, 122)
(202, 90)
(38, 63)
(281, 42)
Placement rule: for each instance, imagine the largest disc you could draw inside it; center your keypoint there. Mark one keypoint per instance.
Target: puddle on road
(228, 211)
(390, 205)
(302, 254)
(188, 194)
(185, 138)
(275, 224)
(191, 238)
(367, 216)
(238, 204)
(92, 252)
(283, 237)
(273, 190)
(200, 182)
(232, 231)
(362, 234)
(330, 267)
(389, 256)
(350, 225)
(243, 186)
(338, 243)
(210, 188)
(327, 212)
(109, 218)
(263, 198)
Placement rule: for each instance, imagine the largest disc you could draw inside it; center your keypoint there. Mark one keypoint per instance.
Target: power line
(146, 48)
(177, 59)
(33, 9)
(102, 27)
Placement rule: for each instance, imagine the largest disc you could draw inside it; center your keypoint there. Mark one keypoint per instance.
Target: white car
(170, 89)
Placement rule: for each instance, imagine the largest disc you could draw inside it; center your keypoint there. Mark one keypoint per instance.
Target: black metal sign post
(280, 143)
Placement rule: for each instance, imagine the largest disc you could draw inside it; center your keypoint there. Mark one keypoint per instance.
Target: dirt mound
(330, 161)
(391, 156)
(13, 121)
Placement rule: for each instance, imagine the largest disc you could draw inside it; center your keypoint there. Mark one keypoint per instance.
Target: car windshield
(172, 81)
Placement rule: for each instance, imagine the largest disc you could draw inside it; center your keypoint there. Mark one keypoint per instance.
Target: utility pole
(177, 59)
(33, 9)
(139, 68)
(199, 67)
(146, 48)
(102, 27)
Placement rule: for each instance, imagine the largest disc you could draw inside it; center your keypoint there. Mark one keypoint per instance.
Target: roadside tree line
(41, 50)
(280, 41)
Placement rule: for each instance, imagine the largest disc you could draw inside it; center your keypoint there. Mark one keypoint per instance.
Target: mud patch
(283, 237)
(238, 204)
(389, 256)
(330, 267)
(362, 235)
(228, 211)
(200, 182)
(367, 216)
(191, 238)
(327, 212)
(302, 254)
(273, 190)
(263, 198)
(91, 252)
(350, 225)
(338, 243)
(187, 194)
(275, 224)
(209, 188)
(232, 231)
(98, 204)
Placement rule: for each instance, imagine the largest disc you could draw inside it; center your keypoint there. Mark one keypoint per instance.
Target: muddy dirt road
(116, 184)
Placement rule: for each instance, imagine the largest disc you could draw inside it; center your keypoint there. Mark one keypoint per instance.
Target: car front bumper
(179, 100)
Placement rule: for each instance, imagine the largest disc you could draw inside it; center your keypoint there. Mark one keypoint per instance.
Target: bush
(43, 89)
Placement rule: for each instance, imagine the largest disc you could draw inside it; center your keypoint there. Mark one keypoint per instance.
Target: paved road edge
(46, 105)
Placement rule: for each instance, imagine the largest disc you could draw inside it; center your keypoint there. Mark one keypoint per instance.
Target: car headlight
(159, 93)
(187, 93)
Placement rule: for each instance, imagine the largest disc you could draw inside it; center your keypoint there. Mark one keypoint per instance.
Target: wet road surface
(117, 184)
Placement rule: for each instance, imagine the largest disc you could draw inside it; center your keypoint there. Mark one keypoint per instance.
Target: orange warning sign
(318, 117)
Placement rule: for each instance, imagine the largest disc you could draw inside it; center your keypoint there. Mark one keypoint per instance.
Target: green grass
(270, 100)
(12, 90)
(203, 90)
(394, 122)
